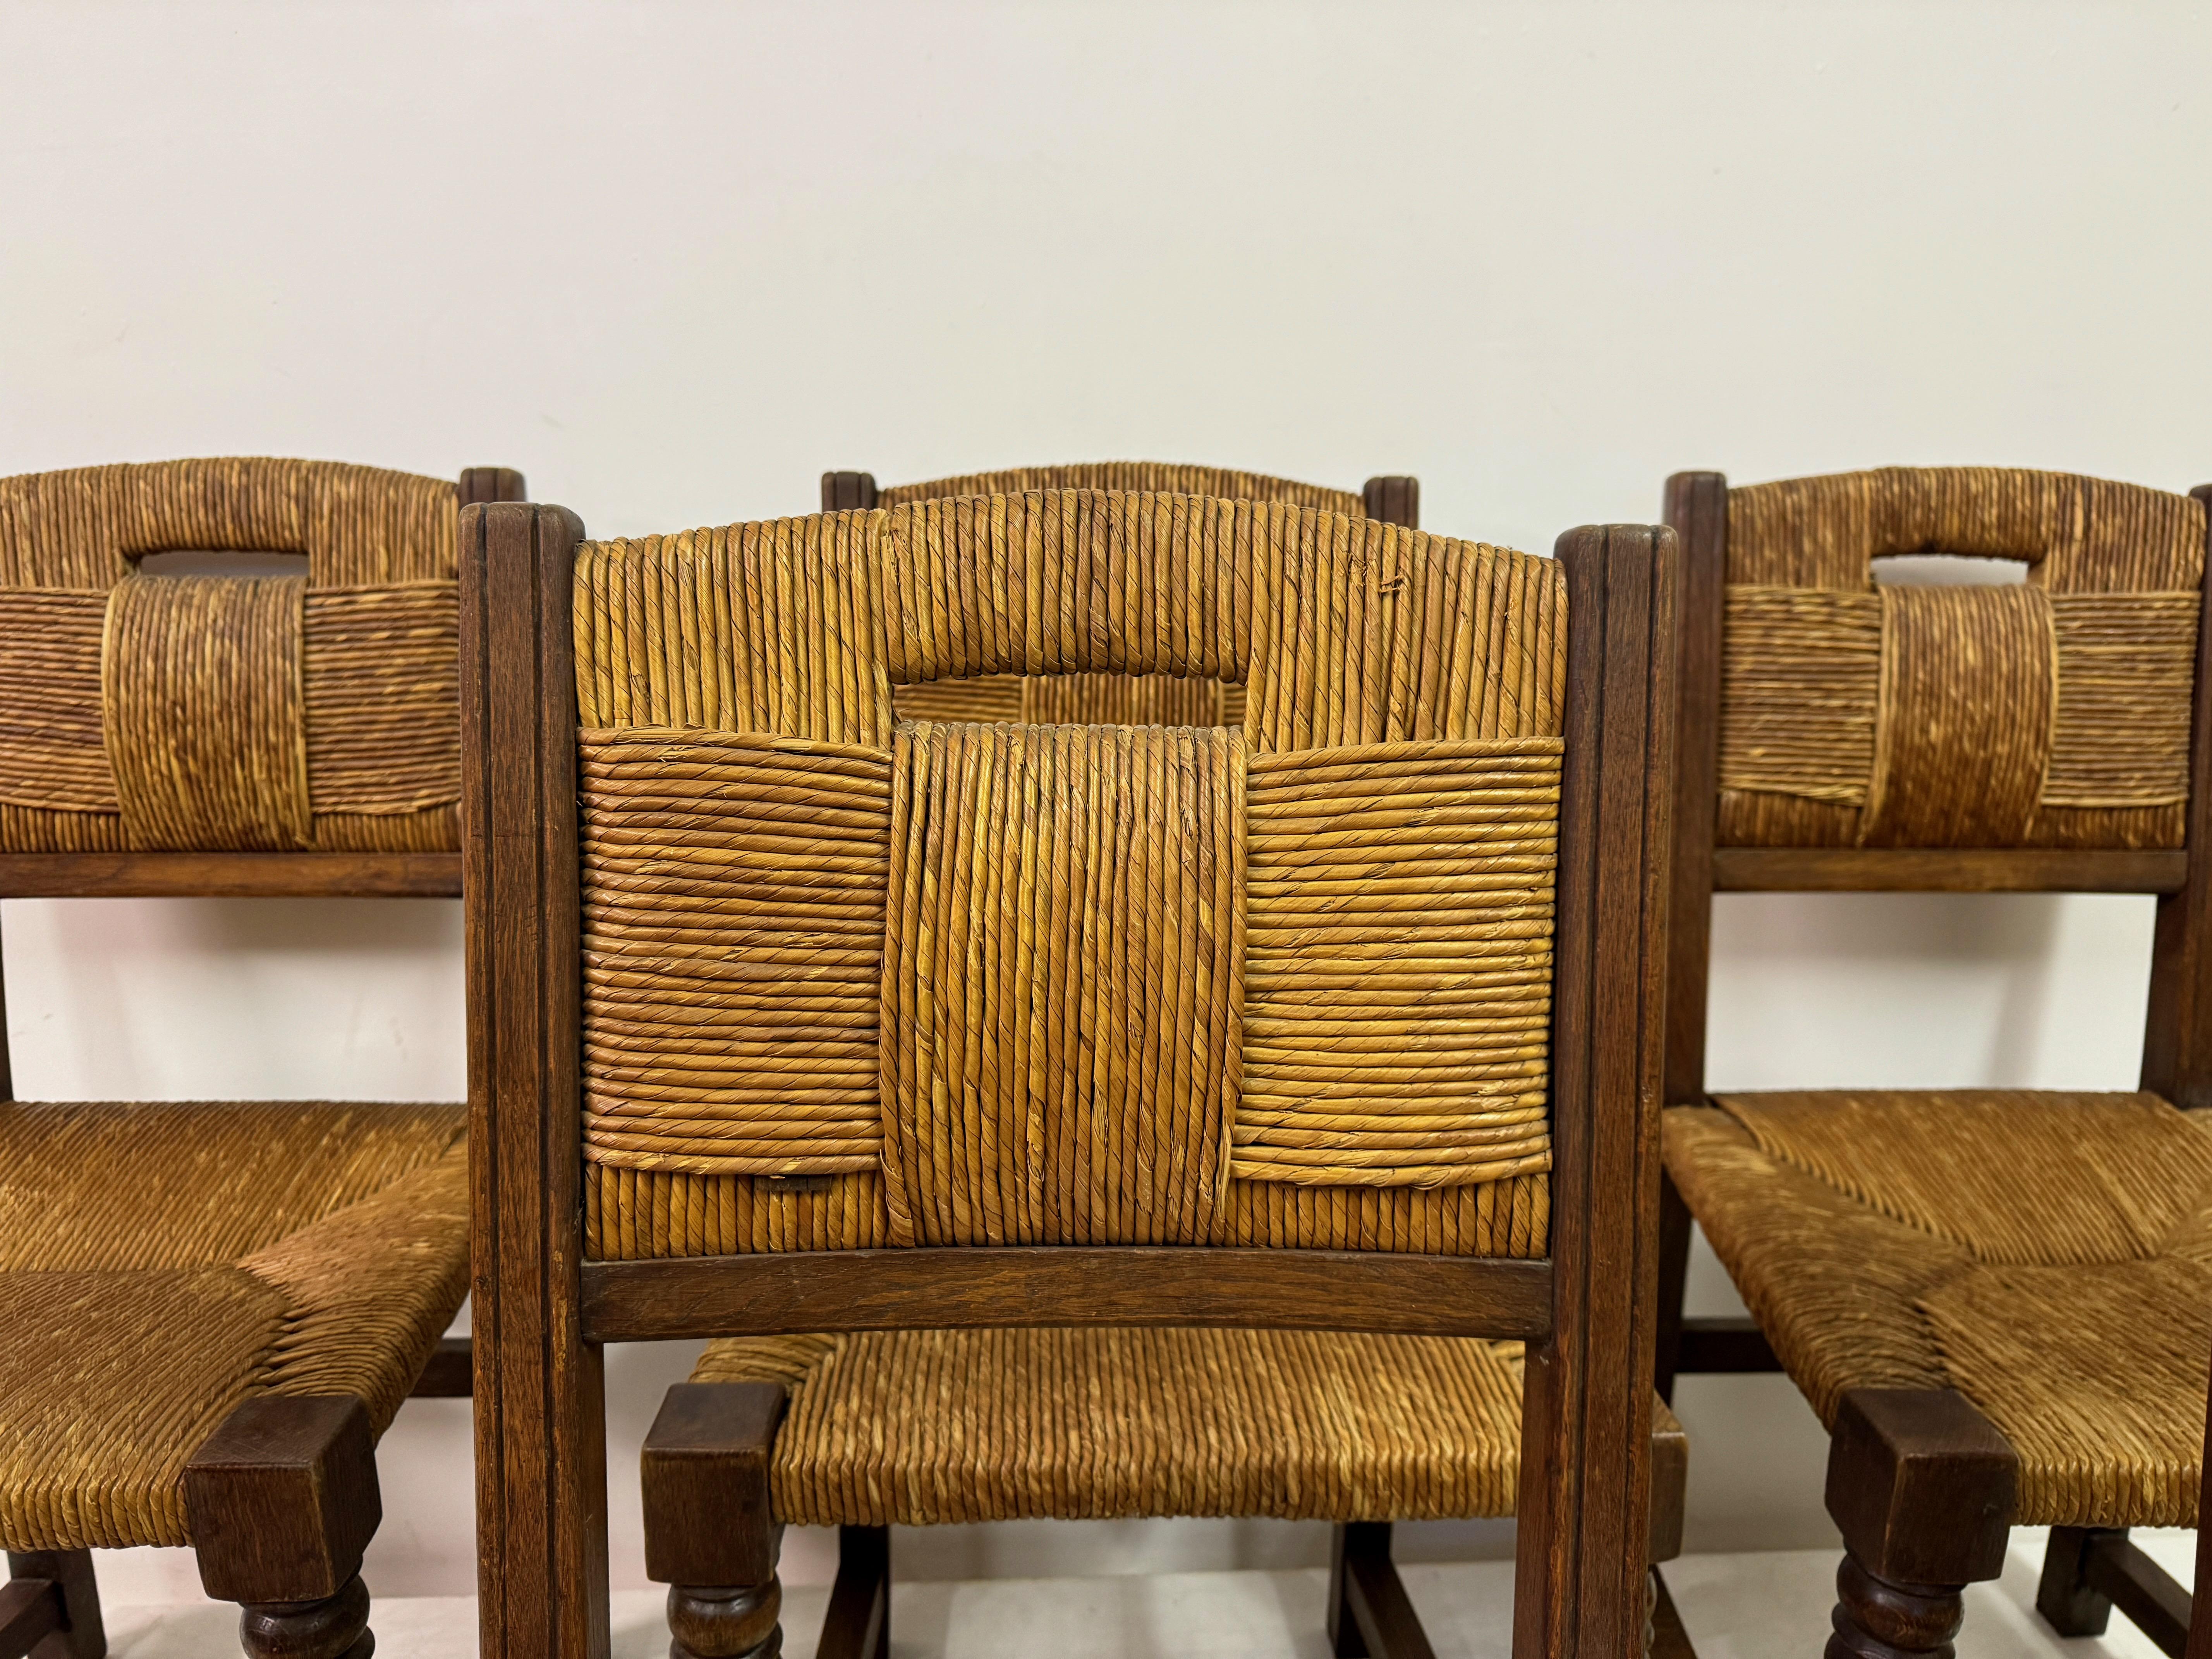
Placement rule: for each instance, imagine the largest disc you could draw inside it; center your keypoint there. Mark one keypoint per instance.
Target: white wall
(673, 261)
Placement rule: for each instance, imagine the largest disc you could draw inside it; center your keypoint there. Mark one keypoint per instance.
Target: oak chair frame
(282, 1495)
(1903, 1461)
(543, 1312)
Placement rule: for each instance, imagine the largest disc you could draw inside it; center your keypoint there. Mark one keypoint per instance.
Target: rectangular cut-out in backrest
(2054, 711)
(1062, 970)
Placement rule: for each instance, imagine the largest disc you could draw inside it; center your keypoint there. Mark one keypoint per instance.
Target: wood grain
(230, 875)
(1063, 1284)
(1942, 870)
(1586, 1434)
(59, 1591)
(2177, 1032)
(1696, 509)
(858, 1624)
(540, 1415)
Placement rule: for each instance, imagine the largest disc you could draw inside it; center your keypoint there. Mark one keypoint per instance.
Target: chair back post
(2177, 1060)
(1697, 510)
(1581, 1561)
(540, 1414)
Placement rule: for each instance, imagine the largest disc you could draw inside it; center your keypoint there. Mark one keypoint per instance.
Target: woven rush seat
(2049, 1255)
(160, 1264)
(930, 1428)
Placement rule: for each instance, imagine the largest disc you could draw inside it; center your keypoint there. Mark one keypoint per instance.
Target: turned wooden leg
(282, 1500)
(50, 1606)
(1922, 1485)
(710, 1535)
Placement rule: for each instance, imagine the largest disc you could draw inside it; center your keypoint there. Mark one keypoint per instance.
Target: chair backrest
(1286, 983)
(1106, 698)
(143, 711)
(1842, 733)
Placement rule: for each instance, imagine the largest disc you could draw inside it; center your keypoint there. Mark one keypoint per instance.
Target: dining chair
(1999, 1301)
(794, 1019)
(214, 1309)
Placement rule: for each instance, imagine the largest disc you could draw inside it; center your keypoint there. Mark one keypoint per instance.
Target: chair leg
(1673, 1282)
(1370, 1614)
(1922, 1485)
(282, 1500)
(710, 1535)
(2089, 1570)
(859, 1623)
(2068, 1602)
(49, 1608)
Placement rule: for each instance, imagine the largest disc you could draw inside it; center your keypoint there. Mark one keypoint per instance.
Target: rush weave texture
(1101, 699)
(161, 1263)
(1070, 962)
(2047, 1254)
(930, 1428)
(143, 711)
(2055, 714)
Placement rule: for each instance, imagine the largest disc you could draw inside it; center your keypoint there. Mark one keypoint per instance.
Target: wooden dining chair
(791, 1018)
(1107, 699)
(213, 1309)
(1998, 1301)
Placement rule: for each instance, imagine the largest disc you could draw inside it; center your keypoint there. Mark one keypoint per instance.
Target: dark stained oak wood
(1670, 1490)
(1586, 1428)
(1395, 499)
(848, 492)
(1727, 1343)
(230, 875)
(540, 1416)
(1664, 1636)
(2088, 1570)
(1370, 1614)
(857, 1624)
(2177, 1032)
(282, 1500)
(1697, 510)
(492, 484)
(710, 1532)
(1921, 1485)
(59, 1592)
(449, 1373)
(1943, 870)
(1064, 1285)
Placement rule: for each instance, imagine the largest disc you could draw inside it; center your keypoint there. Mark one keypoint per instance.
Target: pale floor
(1737, 1606)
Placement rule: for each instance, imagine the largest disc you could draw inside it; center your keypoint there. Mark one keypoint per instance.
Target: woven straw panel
(1061, 983)
(726, 1103)
(1154, 477)
(2048, 1255)
(167, 712)
(926, 1428)
(2052, 714)
(1099, 699)
(161, 1263)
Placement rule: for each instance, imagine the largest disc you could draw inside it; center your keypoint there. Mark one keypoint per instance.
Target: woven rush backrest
(2051, 714)
(1099, 698)
(141, 711)
(852, 980)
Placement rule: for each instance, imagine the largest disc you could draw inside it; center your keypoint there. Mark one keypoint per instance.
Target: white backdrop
(674, 261)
